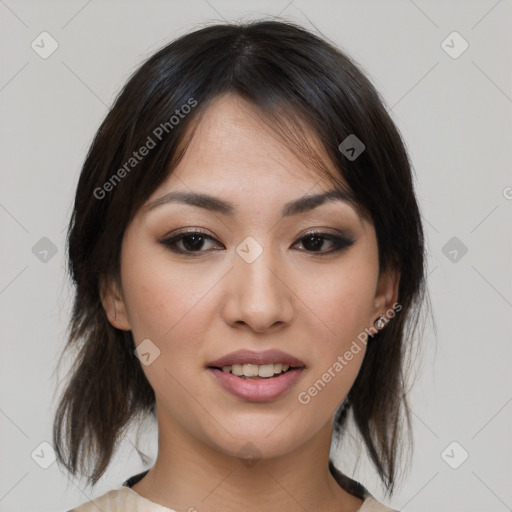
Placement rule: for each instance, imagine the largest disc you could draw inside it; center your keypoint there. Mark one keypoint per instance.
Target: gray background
(454, 114)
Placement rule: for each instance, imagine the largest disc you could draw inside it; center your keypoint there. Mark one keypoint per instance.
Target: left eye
(193, 242)
(315, 241)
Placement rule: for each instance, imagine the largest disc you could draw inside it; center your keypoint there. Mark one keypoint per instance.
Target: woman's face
(254, 281)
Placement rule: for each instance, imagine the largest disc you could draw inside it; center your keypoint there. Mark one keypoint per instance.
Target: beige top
(125, 499)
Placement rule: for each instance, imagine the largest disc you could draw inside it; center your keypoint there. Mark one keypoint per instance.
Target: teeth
(266, 370)
(236, 369)
(254, 370)
(250, 370)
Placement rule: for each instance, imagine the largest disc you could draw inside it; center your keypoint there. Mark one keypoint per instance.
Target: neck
(191, 475)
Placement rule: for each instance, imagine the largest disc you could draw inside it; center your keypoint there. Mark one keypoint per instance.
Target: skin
(198, 308)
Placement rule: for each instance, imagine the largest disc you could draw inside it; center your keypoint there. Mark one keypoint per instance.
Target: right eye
(188, 242)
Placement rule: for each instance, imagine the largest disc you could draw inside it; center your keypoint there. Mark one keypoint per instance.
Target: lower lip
(257, 390)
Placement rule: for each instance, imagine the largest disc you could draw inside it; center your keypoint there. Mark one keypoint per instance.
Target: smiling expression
(236, 250)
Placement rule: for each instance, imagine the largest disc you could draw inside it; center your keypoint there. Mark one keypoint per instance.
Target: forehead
(233, 143)
(235, 166)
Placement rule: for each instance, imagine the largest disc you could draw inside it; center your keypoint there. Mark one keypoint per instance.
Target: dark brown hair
(297, 81)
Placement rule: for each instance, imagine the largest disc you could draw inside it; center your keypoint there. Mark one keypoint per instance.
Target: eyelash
(340, 243)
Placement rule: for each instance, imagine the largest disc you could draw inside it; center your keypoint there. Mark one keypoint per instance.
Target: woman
(248, 257)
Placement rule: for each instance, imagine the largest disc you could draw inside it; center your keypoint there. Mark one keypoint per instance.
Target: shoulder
(111, 501)
(123, 499)
(370, 504)
(117, 500)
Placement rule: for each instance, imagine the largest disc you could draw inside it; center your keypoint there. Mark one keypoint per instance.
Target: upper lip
(259, 358)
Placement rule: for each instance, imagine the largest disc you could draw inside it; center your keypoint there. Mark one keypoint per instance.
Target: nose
(257, 295)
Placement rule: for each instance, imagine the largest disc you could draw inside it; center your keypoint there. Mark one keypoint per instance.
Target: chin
(258, 441)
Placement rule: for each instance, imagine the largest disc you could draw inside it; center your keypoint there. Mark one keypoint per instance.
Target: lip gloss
(257, 390)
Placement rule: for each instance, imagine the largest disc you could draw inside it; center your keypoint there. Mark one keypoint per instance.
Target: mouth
(257, 376)
(256, 365)
(256, 372)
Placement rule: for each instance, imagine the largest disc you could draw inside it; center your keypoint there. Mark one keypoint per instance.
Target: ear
(386, 294)
(113, 304)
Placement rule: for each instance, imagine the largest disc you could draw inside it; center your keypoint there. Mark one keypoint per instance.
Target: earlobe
(113, 305)
(386, 295)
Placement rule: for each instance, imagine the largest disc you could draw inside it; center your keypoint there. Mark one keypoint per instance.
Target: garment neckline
(155, 507)
(367, 501)
(130, 482)
(345, 482)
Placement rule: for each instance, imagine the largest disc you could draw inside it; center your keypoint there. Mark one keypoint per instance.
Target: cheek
(343, 299)
(343, 304)
(339, 353)
(158, 298)
(168, 308)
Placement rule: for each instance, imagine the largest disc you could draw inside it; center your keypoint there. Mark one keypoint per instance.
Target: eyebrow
(295, 207)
